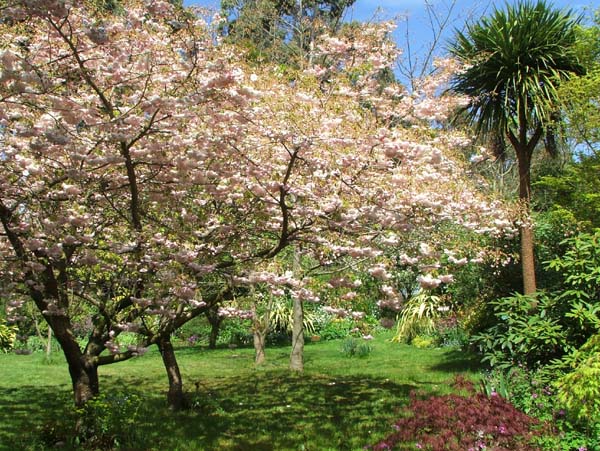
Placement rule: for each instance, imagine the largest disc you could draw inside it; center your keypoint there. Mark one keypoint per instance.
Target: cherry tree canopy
(146, 169)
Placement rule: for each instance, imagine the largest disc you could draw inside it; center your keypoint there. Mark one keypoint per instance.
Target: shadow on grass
(26, 410)
(272, 410)
(235, 407)
(457, 360)
(281, 411)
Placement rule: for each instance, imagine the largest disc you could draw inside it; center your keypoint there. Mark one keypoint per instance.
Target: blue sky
(414, 25)
(415, 11)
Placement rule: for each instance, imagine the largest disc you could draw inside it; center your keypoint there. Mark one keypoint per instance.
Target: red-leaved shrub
(471, 422)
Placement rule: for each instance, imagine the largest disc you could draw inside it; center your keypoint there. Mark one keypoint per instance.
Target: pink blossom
(429, 282)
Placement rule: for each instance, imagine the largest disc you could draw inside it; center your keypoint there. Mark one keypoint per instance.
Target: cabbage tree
(514, 61)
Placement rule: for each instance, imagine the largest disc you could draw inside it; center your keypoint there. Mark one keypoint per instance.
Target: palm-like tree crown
(515, 59)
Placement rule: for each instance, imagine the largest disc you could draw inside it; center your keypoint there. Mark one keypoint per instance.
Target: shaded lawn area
(339, 403)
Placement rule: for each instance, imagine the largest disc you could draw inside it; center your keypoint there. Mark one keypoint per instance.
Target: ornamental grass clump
(353, 347)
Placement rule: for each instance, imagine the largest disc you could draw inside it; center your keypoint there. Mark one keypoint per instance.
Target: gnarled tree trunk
(175, 396)
(83, 368)
(84, 377)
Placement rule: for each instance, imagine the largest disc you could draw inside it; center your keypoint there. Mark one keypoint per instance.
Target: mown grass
(338, 403)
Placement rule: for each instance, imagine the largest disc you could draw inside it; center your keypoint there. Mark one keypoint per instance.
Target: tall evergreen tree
(515, 61)
(281, 31)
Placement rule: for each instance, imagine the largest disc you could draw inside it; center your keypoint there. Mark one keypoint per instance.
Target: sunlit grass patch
(339, 403)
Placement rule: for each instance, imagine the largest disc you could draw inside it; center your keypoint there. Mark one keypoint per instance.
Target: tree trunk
(49, 343)
(527, 259)
(214, 335)
(175, 396)
(84, 377)
(527, 241)
(83, 368)
(215, 320)
(297, 355)
(260, 329)
(260, 336)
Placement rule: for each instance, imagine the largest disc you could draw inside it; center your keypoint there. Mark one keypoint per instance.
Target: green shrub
(196, 331)
(449, 332)
(335, 328)
(423, 341)
(560, 402)
(37, 344)
(529, 391)
(527, 331)
(236, 331)
(543, 328)
(281, 317)
(108, 422)
(568, 438)
(8, 335)
(579, 390)
(580, 266)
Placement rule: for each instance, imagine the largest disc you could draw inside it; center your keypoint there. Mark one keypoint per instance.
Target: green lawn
(339, 403)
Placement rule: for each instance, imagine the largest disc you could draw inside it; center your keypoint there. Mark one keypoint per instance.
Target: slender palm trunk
(527, 236)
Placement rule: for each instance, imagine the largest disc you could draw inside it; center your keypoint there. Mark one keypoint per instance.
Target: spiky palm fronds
(515, 60)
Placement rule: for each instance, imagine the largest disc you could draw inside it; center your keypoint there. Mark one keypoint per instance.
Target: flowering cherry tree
(148, 174)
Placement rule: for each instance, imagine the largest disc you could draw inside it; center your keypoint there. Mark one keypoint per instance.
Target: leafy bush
(534, 393)
(334, 328)
(580, 290)
(423, 341)
(281, 317)
(458, 423)
(529, 391)
(565, 437)
(528, 331)
(449, 332)
(8, 335)
(536, 330)
(108, 422)
(579, 390)
(236, 331)
(34, 343)
(199, 328)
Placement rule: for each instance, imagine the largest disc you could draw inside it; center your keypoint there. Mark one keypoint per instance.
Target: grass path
(339, 403)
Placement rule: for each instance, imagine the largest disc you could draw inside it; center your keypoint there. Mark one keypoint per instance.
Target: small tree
(514, 62)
